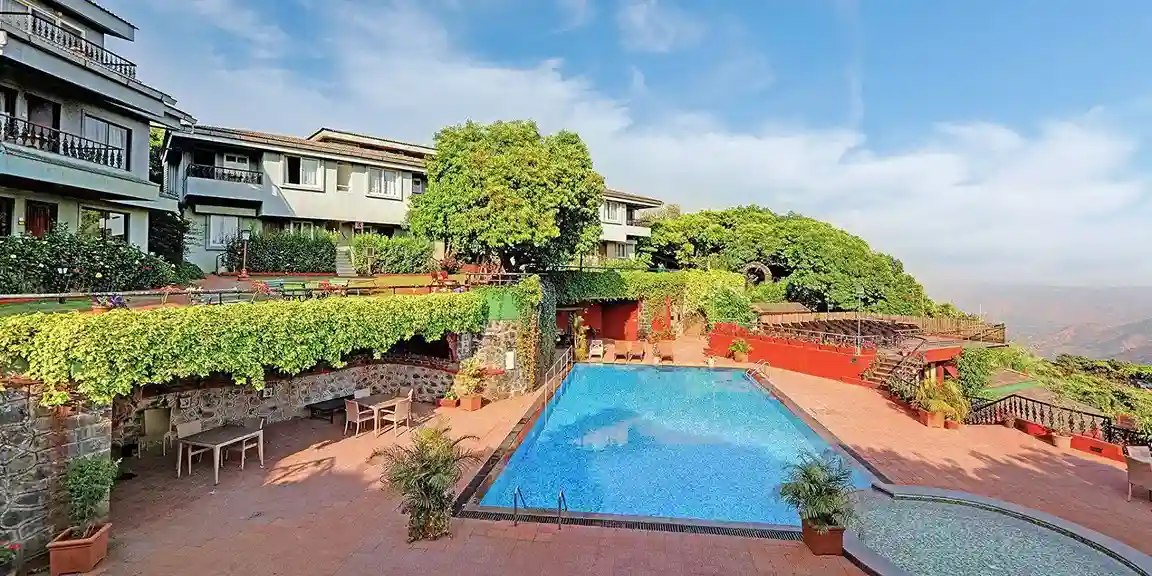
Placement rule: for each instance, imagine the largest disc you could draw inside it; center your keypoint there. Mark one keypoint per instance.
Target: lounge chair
(637, 350)
(620, 350)
(1139, 469)
(596, 350)
(663, 352)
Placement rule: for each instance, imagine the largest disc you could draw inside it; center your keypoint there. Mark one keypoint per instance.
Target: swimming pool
(684, 443)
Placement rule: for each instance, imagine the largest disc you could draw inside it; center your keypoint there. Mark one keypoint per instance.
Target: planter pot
(471, 403)
(740, 356)
(1061, 441)
(68, 556)
(931, 419)
(952, 425)
(449, 402)
(1009, 423)
(828, 544)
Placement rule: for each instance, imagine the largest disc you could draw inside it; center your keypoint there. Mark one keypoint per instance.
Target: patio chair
(157, 428)
(596, 350)
(637, 350)
(362, 392)
(1139, 469)
(401, 412)
(356, 414)
(190, 429)
(249, 444)
(663, 352)
(620, 350)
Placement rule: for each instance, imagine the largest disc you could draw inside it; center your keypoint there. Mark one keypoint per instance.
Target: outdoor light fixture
(244, 236)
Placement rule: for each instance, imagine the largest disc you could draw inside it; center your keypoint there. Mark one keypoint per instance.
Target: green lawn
(44, 306)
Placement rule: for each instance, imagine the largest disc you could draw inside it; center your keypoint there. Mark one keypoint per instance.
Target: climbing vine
(105, 355)
(717, 295)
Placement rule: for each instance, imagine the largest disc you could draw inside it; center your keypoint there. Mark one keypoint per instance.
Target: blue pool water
(684, 443)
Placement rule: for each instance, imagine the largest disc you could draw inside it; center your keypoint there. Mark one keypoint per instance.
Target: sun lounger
(620, 350)
(663, 352)
(596, 350)
(636, 350)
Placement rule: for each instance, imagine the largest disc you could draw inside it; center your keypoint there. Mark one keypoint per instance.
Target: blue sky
(974, 139)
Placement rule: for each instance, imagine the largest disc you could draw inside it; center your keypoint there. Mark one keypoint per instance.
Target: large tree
(503, 190)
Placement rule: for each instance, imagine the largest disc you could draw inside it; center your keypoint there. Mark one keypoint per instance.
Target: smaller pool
(933, 538)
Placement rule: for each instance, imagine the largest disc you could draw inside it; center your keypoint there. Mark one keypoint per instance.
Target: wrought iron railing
(905, 375)
(37, 25)
(24, 133)
(863, 341)
(1055, 417)
(225, 174)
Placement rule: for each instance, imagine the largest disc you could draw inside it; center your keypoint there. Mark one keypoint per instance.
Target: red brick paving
(317, 509)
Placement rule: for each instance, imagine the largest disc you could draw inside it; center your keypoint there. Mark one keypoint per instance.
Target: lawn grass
(44, 306)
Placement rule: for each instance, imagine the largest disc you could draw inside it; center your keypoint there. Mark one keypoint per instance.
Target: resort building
(74, 123)
(228, 180)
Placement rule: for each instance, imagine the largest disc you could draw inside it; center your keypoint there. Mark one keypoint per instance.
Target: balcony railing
(225, 174)
(37, 25)
(636, 222)
(24, 133)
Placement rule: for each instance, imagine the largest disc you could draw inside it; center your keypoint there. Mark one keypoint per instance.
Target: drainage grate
(765, 533)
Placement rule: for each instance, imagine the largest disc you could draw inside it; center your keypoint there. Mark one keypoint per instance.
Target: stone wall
(491, 347)
(36, 444)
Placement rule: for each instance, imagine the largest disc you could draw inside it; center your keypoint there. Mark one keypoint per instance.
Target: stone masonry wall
(490, 347)
(36, 444)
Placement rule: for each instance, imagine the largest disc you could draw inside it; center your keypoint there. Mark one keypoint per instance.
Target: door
(39, 218)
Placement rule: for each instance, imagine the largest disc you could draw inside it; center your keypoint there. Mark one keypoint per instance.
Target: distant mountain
(1102, 322)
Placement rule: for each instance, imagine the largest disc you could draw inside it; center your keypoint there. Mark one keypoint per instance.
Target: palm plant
(937, 397)
(818, 487)
(425, 475)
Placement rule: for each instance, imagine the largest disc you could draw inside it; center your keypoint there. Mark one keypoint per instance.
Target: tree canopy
(815, 263)
(503, 190)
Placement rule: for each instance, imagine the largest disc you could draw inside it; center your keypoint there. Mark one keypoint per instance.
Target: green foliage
(168, 235)
(284, 252)
(740, 346)
(715, 294)
(425, 475)
(186, 272)
(155, 155)
(945, 397)
(88, 483)
(105, 355)
(92, 264)
(469, 378)
(974, 368)
(769, 292)
(819, 489)
(502, 190)
(826, 268)
(379, 254)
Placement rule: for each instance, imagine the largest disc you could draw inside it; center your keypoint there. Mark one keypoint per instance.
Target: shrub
(186, 272)
(90, 264)
(819, 488)
(425, 474)
(943, 397)
(469, 379)
(284, 252)
(377, 254)
(88, 483)
(740, 346)
(974, 368)
(168, 235)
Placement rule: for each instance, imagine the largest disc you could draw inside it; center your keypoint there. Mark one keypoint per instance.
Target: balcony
(36, 25)
(226, 174)
(24, 133)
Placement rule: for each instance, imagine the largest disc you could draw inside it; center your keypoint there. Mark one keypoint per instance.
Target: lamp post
(62, 270)
(244, 236)
(860, 300)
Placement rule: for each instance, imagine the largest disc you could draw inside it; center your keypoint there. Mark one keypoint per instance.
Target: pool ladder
(561, 508)
(760, 367)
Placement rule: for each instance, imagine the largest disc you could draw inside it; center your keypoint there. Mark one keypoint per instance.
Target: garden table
(377, 403)
(217, 439)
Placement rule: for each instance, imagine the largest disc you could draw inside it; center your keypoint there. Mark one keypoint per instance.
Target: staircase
(344, 267)
(882, 370)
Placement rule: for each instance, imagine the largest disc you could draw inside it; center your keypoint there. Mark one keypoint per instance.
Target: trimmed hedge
(284, 252)
(399, 255)
(93, 264)
(718, 295)
(104, 355)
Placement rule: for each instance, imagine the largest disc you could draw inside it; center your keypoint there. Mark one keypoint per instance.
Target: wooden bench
(327, 409)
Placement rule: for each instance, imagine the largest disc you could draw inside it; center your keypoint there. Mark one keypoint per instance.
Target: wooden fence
(961, 328)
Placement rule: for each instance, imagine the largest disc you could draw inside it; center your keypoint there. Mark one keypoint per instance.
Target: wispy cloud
(576, 13)
(652, 26)
(848, 11)
(233, 16)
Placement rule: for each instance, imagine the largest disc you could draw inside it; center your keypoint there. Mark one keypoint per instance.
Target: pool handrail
(517, 497)
(561, 502)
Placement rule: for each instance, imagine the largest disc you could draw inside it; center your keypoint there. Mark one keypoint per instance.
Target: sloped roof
(421, 147)
(254, 137)
(619, 195)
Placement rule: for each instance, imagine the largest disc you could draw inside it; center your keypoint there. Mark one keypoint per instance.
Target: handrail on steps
(561, 504)
(517, 498)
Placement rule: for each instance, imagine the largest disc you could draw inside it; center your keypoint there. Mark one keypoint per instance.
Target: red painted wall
(1081, 443)
(831, 362)
(942, 354)
(592, 315)
(661, 320)
(620, 320)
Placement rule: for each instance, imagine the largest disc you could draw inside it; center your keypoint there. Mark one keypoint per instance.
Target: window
(305, 228)
(611, 212)
(7, 101)
(383, 183)
(343, 176)
(71, 29)
(620, 251)
(302, 171)
(39, 218)
(108, 133)
(236, 162)
(417, 184)
(7, 207)
(221, 229)
(104, 223)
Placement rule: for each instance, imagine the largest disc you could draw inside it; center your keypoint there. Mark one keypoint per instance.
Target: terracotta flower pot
(740, 356)
(471, 403)
(1061, 441)
(931, 419)
(828, 544)
(449, 402)
(952, 425)
(68, 556)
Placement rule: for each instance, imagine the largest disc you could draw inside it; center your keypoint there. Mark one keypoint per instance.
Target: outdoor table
(377, 403)
(327, 409)
(218, 439)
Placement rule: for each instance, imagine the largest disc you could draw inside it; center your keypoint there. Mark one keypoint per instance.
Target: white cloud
(576, 12)
(1061, 203)
(649, 26)
(267, 40)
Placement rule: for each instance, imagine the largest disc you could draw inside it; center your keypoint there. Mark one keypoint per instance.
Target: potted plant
(8, 552)
(425, 474)
(931, 407)
(1009, 421)
(739, 350)
(449, 400)
(468, 383)
(101, 304)
(82, 546)
(1061, 433)
(819, 489)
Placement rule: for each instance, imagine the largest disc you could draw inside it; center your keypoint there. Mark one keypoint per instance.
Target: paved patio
(317, 509)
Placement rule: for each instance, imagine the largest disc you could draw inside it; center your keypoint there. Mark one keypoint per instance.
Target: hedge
(718, 295)
(104, 355)
(399, 255)
(284, 252)
(91, 263)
